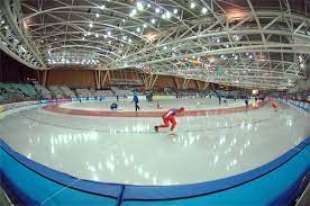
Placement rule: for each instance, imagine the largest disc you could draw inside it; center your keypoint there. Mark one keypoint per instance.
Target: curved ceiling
(250, 43)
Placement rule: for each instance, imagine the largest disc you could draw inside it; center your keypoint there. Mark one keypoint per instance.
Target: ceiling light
(91, 24)
(157, 10)
(153, 21)
(302, 65)
(144, 25)
(97, 35)
(204, 10)
(133, 13)
(138, 29)
(236, 37)
(175, 11)
(109, 33)
(168, 15)
(140, 6)
(102, 7)
(148, 5)
(193, 5)
(97, 15)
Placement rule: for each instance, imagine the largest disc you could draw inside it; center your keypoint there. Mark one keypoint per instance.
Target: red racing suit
(168, 118)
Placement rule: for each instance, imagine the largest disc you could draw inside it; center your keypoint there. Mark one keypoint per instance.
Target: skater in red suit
(169, 117)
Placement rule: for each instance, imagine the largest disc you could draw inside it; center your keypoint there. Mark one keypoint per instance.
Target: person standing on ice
(136, 101)
(246, 101)
(169, 117)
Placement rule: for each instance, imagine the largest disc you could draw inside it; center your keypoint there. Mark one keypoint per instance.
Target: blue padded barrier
(34, 184)
(279, 187)
(305, 106)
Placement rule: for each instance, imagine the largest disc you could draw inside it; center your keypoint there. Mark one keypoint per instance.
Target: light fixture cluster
(160, 12)
(194, 6)
(108, 34)
(71, 58)
(237, 57)
(9, 40)
(301, 61)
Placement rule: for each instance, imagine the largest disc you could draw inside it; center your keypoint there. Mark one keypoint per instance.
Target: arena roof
(251, 43)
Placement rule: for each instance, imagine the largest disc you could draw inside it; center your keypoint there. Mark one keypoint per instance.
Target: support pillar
(44, 78)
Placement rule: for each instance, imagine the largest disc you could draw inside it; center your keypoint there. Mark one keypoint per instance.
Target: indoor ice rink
(146, 103)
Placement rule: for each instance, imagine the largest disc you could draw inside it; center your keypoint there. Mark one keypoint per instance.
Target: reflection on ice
(128, 150)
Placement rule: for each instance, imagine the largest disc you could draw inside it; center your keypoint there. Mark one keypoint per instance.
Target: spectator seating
(11, 92)
(43, 92)
(56, 92)
(68, 93)
(121, 92)
(103, 93)
(83, 93)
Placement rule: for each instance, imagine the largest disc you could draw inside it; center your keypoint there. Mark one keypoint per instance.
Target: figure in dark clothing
(113, 106)
(246, 104)
(136, 101)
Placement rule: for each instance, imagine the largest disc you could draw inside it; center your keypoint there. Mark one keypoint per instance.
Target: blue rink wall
(278, 182)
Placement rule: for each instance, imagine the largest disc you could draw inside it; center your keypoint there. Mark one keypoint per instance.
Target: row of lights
(236, 56)
(105, 36)
(65, 58)
(72, 61)
(165, 13)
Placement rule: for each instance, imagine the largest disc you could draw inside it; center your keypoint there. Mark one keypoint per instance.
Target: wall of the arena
(88, 79)
(71, 78)
(13, 71)
(179, 83)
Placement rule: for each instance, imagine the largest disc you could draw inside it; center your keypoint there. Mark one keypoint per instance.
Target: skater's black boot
(156, 128)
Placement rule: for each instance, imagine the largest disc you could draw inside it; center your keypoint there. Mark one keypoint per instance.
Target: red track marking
(55, 108)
